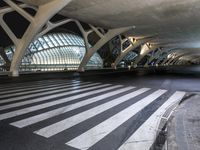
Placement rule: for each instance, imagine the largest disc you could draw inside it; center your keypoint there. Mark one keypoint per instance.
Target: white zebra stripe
(62, 110)
(147, 132)
(49, 104)
(92, 136)
(69, 122)
(10, 91)
(41, 90)
(45, 97)
(35, 84)
(9, 85)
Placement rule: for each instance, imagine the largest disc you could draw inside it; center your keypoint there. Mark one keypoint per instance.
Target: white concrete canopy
(171, 23)
(146, 49)
(174, 21)
(43, 15)
(103, 40)
(134, 45)
(36, 2)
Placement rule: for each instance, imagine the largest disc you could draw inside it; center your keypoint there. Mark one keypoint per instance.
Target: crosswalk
(87, 115)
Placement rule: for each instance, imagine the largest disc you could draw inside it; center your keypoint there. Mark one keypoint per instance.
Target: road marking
(35, 85)
(48, 104)
(69, 122)
(62, 110)
(145, 136)
(65, 92)
(146, 132)
(95, 134)
(73, 86)
(19, 92)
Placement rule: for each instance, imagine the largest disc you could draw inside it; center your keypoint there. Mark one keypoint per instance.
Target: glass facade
(56, 51)
(130, 56)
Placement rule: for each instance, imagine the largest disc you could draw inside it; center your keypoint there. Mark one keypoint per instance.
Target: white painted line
(17, 92)
(62, 110)
(34, 85)
(145, 136)
(68, 87)
(10, 85)
(65, 92)
(49, 104)
(69, 122)
(92, 136)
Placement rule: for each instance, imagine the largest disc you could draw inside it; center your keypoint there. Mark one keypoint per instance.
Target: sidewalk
(184, 126)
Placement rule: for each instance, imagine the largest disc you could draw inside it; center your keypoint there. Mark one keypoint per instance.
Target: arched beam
(172, 59)
(158, 55)
(104, 38)
(196, 59)
(154, 56)
(183, 54)
(133, 46)
(160, 58)
(176, 58)
(10, 9)
(50, 26)
(35, 2)
(145, 50)
(165, 59)
(43, 15)
(186, 54)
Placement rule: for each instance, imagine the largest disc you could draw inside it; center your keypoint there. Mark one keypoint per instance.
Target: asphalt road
(97, 112)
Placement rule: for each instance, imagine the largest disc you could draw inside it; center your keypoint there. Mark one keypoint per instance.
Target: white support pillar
(44, 13)
(157, 62)
(179, 56)
(84, 34)
(170, 61)
(146, 49)
(133, 46)
(104, 38)
(168, 51)
(163, 63)
(157, 56)
(167, 60)
(20, 10)
(174, 60)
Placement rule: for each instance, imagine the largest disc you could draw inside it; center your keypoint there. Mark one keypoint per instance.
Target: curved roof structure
(173, 21)
(161, 24)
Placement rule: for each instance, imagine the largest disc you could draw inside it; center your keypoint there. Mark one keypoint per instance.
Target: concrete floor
(184, 126)
(63, 114)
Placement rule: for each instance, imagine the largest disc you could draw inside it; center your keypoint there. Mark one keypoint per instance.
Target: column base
(114, 66)
(81, 70)
(14, 74)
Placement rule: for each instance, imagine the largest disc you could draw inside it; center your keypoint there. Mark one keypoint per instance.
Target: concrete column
(147, 50)
(103, 40)
(43, 15)
(129, 49)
